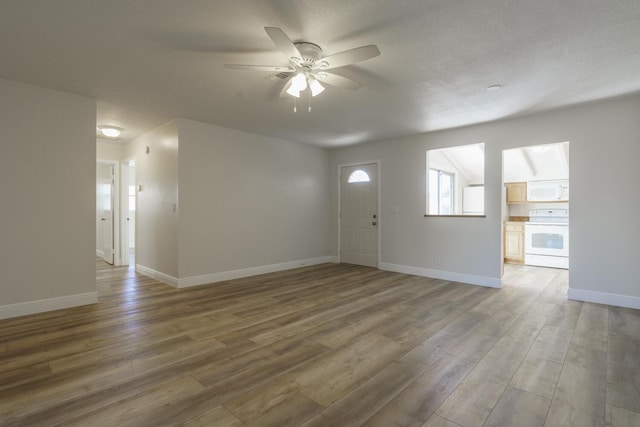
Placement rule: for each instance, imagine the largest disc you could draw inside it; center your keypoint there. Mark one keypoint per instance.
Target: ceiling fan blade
(283, 42)
(339, 81)
(270, 68)
(351, 56)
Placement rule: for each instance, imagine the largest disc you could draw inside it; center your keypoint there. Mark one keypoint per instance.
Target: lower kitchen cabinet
(514, 242)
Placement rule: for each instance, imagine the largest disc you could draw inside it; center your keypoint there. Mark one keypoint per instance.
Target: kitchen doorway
(535, 213)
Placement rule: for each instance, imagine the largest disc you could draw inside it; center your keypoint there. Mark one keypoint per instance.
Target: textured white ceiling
(149, 61)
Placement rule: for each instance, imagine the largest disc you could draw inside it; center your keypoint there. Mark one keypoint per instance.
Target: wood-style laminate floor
(329, 345)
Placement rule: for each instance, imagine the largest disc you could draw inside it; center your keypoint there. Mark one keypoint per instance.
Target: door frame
(116, 209)
(343, 165)
(504, 206)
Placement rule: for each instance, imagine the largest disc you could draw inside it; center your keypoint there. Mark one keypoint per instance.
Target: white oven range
(546, 238)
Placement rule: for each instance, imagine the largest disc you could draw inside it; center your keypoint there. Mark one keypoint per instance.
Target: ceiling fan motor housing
(310, 53)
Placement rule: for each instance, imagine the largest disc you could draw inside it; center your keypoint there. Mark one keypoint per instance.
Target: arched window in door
(358, 176)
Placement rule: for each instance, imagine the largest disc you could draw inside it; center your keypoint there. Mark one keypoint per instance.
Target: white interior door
(359, 214)
(128, 212)
(104, 211)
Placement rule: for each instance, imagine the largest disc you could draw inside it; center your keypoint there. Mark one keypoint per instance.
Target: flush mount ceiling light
(110, 131)
(493, 88)
(307, 65)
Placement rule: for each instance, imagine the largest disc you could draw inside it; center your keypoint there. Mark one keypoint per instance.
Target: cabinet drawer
(518, 228)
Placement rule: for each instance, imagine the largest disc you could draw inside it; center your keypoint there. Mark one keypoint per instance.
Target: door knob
(103, 219)
(374, 223)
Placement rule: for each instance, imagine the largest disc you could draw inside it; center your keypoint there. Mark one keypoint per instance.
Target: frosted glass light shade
(110, 131)
(298, 84)
(315, 86)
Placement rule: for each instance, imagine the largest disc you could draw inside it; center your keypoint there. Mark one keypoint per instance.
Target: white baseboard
(604, 298)
(49, 304)
(186, 282)
(160, 277)
(444, 275)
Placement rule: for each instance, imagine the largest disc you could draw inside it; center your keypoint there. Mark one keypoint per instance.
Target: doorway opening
(535, 212)
(358, 217)
(105, 207)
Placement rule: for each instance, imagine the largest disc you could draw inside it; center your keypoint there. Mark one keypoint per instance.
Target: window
(455, 180)
(358, 176)
(441, 191)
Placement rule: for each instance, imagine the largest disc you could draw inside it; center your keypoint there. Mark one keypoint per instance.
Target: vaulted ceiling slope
(149, 61)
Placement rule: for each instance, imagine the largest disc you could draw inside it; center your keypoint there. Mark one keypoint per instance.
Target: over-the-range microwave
(548, 191)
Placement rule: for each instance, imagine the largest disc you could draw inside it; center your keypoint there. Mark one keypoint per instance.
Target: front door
(104, 211)
(359, 214)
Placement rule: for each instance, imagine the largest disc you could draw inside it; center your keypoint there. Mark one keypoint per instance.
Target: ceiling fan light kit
(315, 87)
(307, 65)
(297, 85)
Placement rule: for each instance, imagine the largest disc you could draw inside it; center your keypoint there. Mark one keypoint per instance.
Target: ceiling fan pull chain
(294, 104)
(309, 101)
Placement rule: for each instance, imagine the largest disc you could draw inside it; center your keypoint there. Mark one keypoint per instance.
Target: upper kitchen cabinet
(516, 192)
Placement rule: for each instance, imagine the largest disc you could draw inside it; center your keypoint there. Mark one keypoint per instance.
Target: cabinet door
(516, 192)
(514, 244)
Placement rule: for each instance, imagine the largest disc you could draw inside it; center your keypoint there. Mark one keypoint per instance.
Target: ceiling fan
(307, 65)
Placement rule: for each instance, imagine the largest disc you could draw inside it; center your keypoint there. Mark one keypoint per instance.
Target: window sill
(455, 216)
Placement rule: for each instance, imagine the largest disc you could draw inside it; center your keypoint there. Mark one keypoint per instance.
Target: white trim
(471, 279)
(604, 298)
(251, 271)
(49, 304)
(160, 277)
(379, 178)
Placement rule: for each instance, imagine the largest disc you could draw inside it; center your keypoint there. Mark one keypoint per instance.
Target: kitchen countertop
(518, 219)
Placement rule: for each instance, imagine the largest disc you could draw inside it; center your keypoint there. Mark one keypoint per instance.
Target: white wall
(131, 176)
(47, 176)
(108, 151)
(605, 201)
(248, 200)
(157, 208)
